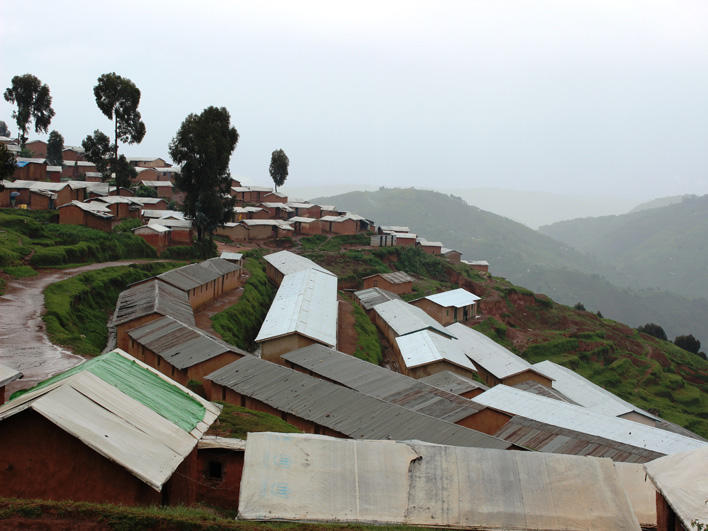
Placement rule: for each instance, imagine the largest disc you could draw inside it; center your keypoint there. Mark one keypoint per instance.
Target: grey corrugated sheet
(539, 389)
(349, 412)
(8, 374)
(180, 345)
(221, 266)
(404, 318)
(286, 263)
(190, 276)
(542, 437)
(369, 298)
(397, 277)
(382, 383)
(153, 296)
(453, 383)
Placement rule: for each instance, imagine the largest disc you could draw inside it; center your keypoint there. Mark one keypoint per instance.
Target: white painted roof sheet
(405, 318)
(8, 374)
(457, 297)
(683, 481)
(300, 219)
(585, 393)
(156, 184)
(306, 303)
(226, 255)
(326, 479)
(147, 213)
(425, 347)
(394, 228)
(154, 226)
(287, 263)
(578, 418)
(405, 235)
(487, 353)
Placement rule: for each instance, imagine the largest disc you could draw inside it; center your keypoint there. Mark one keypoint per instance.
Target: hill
(527, 257)
(661, 247)
(659, 202)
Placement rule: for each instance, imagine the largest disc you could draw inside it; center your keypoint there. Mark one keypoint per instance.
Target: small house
(154, 234)
(38, 148)
(180, 351)
(434, 248)
(304, 311)
(220, 466)
(425, 352)
(451, 255)
(305, 225)
(145, 302)
(306, 210)
(111, 430)
(398, 282)
(275, 197)
(405, 239)
(495, 364)
(477, 265)
(203, 281)
(283, 263)
(388, 229)
(457, 305)
(92, 215)
(148, 162)
(397, 318)
(164, 189)
(339, 224)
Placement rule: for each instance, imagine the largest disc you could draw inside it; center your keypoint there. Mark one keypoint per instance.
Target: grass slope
(239, 324)
(237, 421)
(662, 246)
(530, 258)
(78, 308)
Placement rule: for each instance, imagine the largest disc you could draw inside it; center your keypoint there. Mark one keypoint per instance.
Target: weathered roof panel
(370, 297)
(404, 318)
(424, 347)
(286, 262)
(153, 296)
(381, 383)
(452, 382)
(343, 410)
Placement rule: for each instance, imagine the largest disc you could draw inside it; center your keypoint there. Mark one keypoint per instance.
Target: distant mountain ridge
(526, 257)
(662, 202)
(661, 246)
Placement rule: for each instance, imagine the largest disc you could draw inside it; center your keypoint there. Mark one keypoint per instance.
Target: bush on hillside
(689, 343)
(653, 329)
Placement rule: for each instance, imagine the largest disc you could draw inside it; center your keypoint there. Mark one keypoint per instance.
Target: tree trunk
(115, 140)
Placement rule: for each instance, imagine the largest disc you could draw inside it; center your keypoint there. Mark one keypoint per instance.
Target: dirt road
(23, 340)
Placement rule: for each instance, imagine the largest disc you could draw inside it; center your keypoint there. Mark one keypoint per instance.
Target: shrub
(653, 329)
(689, 343)
(127, 225)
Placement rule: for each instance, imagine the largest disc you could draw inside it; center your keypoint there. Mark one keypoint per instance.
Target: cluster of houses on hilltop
(128, 415)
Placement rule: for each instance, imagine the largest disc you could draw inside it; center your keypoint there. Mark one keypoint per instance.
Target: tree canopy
(4, 129)
(99, 150)
(279, 163)
(118, 98)
(653, 329)
(688, 343)
(55, 149)
(203, 146)
(7, 163)
(34, 103)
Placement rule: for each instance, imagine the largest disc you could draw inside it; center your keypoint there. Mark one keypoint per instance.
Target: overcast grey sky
(577, 97)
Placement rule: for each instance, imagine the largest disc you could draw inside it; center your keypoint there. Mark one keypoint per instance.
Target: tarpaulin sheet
(641, 491)
(683, 481)
(309, 477)
(140, 384)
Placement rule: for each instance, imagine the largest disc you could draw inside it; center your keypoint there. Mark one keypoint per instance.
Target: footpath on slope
(23, 340)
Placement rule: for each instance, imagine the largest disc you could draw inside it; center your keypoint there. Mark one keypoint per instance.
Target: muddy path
(23, 340)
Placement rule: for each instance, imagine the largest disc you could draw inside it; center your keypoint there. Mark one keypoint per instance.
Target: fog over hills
(527, 257)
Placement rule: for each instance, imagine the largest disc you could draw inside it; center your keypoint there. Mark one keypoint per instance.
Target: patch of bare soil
(346, 334)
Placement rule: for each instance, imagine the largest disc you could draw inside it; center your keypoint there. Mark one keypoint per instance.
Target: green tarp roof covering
(140, 384)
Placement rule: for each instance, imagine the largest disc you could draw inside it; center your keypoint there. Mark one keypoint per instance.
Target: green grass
(78, 308)
(321, 242)
(33, 236)
(20, 271)
(237, 421)
(368, 344)
(239, 324)
(43, 514)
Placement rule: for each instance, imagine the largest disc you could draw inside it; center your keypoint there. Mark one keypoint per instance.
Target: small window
(215, 470)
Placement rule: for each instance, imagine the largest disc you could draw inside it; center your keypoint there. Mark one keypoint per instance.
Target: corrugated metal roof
(281, 206)
(425, 243)
(382, 383)
(404, 236)
(316, 478)
(286, 262)
(306, 303)
(541, 437)
(147, 213)
(394, 228)
(153, 296)
(8, 375)
(300, 219)
(396, 277)
(453, 383)
(369, 298)
(343, 410)
(405, 318)
(425, 347)
(96, 209)
(158, 184)
(148, 200)
(578, 418)
(682, 480)
(457, 297)
(114, 423)
(153, 225)
(172, 223)
(231, 256)
(487, 353)
(585, 393)
(531, 386)
(182, 346)
(194, 275)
